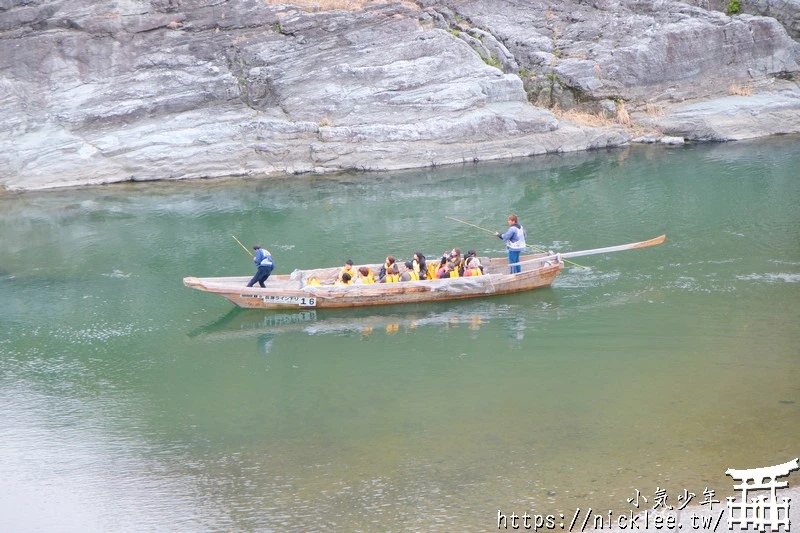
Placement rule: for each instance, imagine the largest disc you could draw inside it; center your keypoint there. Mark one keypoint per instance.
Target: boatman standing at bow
(515, 242)
(263, 261)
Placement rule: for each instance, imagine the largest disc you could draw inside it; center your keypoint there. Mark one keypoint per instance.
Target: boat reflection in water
(238, 322)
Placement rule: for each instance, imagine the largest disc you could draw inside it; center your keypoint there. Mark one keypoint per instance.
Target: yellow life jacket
(360, 278)
(391, 276)
(313, 282)
(473, 272)
(342, 283)
(352, 271)
(414, 276)
(432, 267)
(454, 273)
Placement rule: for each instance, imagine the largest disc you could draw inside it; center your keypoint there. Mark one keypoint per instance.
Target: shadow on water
(240, 322)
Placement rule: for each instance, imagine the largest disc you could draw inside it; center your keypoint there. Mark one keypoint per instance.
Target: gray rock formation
(731, 118)
(118, 90)
(787, 12)
(640, 51)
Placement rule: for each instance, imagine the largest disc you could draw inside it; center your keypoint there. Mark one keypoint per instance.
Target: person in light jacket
(515, 242)
(263, 260)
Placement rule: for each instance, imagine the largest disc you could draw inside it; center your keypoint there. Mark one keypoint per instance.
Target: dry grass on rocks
(740, 90)
(595, 119)
(583, 118)
(654, 110)
(604, 120)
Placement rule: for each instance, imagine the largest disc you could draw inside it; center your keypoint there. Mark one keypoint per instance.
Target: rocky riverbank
(121, 90)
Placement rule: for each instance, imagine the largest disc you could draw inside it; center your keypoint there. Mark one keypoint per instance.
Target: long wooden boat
(292, 291)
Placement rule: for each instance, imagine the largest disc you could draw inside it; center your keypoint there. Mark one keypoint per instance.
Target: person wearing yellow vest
(472, 263)
(456, 263)
(346, 280)
(365, 276)
(389, 271)
(346, 269)
(408, 273)
(451, 265)
(473, 267)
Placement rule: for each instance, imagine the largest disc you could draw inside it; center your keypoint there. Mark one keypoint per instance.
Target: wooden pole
(242, 245)
(529, 246)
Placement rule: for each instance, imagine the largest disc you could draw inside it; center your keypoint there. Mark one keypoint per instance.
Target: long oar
(632, 246)
(242, 245)
(529, 246)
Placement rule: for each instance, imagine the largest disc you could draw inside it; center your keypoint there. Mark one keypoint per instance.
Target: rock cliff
(120, 90)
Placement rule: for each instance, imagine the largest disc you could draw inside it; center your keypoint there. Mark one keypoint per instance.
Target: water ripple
(771, 277)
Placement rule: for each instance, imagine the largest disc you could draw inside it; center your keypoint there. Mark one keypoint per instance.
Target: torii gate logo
(760, 511)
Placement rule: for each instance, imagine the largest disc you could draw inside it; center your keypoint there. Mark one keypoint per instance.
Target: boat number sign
(302, 301)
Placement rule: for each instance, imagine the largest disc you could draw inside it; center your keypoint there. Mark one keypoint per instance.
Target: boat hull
(287, 292)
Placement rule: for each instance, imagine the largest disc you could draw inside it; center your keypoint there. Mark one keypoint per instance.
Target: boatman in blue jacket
(515, 242)
(263, 261)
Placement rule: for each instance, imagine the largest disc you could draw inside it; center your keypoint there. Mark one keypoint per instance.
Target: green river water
(131, 403)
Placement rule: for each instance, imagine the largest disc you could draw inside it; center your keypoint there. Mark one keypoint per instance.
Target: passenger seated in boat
(451, 264)
(364, 276)
(392, 274)
(441, 268)
(420, 265)
(346, 269)
(313, 281)
(473, 267)
(456, 261)
(346, 280)
(389, 272)
(408, 272)
(447, 271)
(472, 257)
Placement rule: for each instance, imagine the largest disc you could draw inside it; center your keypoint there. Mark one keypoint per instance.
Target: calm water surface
(131, 403)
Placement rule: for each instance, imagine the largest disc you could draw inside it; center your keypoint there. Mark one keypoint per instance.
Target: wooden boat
(292, 291)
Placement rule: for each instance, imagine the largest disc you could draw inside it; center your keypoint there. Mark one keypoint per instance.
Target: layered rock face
(641, 51)
(106, 91)
(787, 12)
